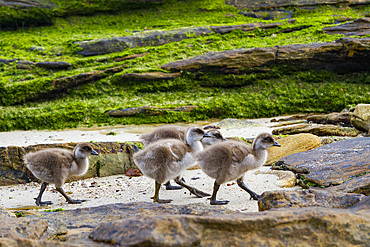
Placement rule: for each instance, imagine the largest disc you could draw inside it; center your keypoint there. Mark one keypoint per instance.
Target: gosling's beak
(276, 144)
(224, 139)
(206, 135)
(93, 152)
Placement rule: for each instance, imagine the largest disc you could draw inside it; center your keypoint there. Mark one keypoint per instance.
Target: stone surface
(341, 118)
(343, 55)
(286, 178)
(27, 4)
(360, 184)
(147, 110)
(114, 158)
(81, 222)
(12, 227)
(256, 4)
(231, 123)
(361, 117)
(359, 27)
(279, 14)
(291, 145)
(54, 65)
(314, 226)
(150, 76)
(307, 198)
(155, 38)
(317, 129)
(333, 164)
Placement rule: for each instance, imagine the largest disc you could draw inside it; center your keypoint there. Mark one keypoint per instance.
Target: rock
(54, 65)
(333, 164)
(279, 14)
(343, 55)
(12, 227)
(319, 130)
(358, 184)
(272, 4)
(291, 122)
(358, 27)
(81, 222)
(314, 226)
(28, 4)
(231, 123)
(286, 179)
(342, 118)
(119, 59)
(307, 198)
(150, 76)
(291, 145)
(147, 110)
(361, 117)
(113, 159)
(155, 38)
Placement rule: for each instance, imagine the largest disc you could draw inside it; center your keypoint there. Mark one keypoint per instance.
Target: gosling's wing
(239, 151)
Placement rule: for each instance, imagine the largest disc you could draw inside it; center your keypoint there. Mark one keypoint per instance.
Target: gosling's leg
(69, 200)
(169, 186)
(156, 194)
(242, 185)
(216, 186)
(196, 192)
(38, 198)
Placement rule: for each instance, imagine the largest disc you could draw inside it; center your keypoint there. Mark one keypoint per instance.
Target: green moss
(28, 100)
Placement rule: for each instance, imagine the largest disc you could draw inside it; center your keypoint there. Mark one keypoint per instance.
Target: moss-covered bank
(277, 91)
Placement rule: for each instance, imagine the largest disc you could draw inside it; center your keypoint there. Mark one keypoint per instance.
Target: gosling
(178, 132)
(169, 158)
(226, 161)
(55, 165)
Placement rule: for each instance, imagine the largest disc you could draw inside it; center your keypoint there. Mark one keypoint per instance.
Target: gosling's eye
(87, 148)
(218, 136)
(268, 139)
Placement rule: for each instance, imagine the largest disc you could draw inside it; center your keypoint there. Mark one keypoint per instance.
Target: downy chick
(169, 158)
(226, 161)
(55, 165)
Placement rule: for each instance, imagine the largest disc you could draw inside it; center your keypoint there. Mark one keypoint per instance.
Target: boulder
(358, 27)
(314, 226)
(272, 4)
(318, 129)
(113, 159)
(286, 179)
(307, 198)
(292, 144)
(361, 117)
(333, 164)
(343, 55)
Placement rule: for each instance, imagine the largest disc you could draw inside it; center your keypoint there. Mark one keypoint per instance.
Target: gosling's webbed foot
(71, 201)
(215, 202)
(163, 200)
(169, 186)
(40, 203)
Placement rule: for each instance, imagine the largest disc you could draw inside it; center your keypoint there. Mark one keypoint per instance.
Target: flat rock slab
(318, 129)
(333, 164)
(155, 38)
(79, 223)
(257, 4)
(343, 55)
(28, 4)
(150, 76)
(359, 27)
(314, 226)
(307, 198)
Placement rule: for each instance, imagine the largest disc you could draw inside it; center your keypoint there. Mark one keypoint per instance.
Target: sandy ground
(123, 189)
